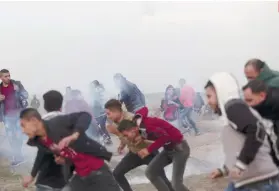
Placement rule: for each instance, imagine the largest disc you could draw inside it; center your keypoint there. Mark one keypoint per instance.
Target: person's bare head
(68, 90)
(5, 76)
(31, 122)
(255, 92)
(182, 82)
(114, 110)
(253, 68)
(53, 101)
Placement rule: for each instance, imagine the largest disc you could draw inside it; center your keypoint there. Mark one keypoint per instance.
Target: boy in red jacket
(176, 149)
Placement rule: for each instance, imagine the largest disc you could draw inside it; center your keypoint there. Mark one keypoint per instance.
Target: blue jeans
(93, 132)
(266, 185)
(14, 135)
(186, 114)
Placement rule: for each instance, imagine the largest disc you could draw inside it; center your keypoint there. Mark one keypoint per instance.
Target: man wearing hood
(248, 162)
(175, 148)
(130, 94)
(257, 69)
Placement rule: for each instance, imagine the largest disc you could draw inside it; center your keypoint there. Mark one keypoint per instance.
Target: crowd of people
(71, 158)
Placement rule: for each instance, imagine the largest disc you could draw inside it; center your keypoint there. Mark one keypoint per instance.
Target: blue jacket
(21, 98)
(131, 96)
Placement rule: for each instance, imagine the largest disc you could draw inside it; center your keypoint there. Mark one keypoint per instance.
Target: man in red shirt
(65, 137)
(176, 149)
(187, 97)
(13, 98)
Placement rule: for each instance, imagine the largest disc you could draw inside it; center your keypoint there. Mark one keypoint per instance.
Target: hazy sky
(55, 44)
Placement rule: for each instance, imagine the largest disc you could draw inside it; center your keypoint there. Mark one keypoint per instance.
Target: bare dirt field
(206, 154)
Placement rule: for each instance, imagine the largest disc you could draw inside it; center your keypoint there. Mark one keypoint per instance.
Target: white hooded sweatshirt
(244, 137)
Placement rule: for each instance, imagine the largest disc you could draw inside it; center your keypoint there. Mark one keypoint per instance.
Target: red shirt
(84, 163)
(187, 96)
(162, 132)
(10, 106)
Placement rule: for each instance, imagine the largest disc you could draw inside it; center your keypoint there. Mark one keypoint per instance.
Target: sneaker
(198, 133)
(17, 162)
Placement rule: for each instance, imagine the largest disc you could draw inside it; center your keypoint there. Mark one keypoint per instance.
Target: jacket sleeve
(39, 161)
(245, 122)
(162, 135)
(22, 90)
(77, 122)
(123, 96)
(141, 113)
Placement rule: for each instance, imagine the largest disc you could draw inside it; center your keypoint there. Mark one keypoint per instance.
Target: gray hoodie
(244, 136)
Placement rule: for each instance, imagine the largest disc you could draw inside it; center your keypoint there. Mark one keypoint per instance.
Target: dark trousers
(101, 120)
(178, 157)
(40, 187)
(130, 162)
(14, 135)
(100, 180)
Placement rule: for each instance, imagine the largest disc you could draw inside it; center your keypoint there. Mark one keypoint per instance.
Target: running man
(187, 97)
(130, 94)
(176, 149)
(35, 102)
(248, 162)
(65, 137)
(131, 160)
(50, 176)
(97, 91)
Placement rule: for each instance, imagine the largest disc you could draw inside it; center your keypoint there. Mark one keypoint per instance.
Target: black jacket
(269, 108)
(62, 126)
(131, 96)
(50, 173)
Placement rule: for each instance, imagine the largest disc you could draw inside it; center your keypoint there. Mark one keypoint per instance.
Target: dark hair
(4, 71)
(53, 100)
(113, 104)
(256, 86)
(96, 82)
(182, 80)
(118, 76)
(126, 125)
(256, 63)
(30, 113)
(209, 84)
(174, 92)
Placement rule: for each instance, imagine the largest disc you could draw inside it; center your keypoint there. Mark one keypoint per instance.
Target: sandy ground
(206, 154)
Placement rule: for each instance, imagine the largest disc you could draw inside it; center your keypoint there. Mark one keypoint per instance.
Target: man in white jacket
(248, 162)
